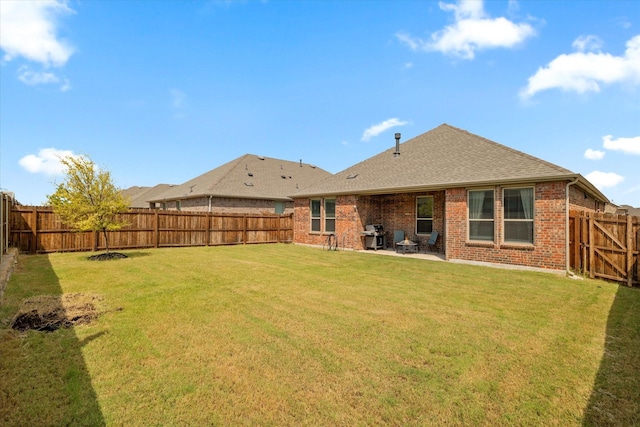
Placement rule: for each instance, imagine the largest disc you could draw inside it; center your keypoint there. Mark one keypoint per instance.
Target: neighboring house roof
(249, 177)
(444, 157)
(628, 210)
(138, 196)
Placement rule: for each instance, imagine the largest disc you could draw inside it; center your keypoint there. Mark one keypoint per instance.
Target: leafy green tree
(87, 200)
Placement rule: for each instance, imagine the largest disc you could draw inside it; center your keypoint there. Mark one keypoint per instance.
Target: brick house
(249, 184)
(138, 196)
(488, 202)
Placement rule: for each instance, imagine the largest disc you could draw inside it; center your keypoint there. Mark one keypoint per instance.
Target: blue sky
(163, 91)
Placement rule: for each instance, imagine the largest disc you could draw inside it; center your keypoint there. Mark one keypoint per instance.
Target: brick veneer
(548, 250)
(353, 213)
(398, 212)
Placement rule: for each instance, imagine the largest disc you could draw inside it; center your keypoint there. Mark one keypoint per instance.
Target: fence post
(208, 237)
(278, 231)
(244, 230)
(34, 230)
(592, 249)
(156, 231)
(2, 218)
(629, 251)
(576, 243)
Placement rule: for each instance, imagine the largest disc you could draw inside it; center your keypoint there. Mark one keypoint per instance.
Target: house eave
(213, 195)
(583, 183)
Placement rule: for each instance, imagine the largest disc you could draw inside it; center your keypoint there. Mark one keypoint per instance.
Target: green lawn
(290, 335)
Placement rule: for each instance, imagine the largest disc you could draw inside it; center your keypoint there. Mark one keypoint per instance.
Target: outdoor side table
(407, 247)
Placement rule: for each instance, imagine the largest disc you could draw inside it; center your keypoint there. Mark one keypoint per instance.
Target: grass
(289, 335)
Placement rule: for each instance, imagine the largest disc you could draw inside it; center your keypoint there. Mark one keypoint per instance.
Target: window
(481, 215)
(315, 215)
(330, 215)
(424, 215)
(518, 215)
(280, 208)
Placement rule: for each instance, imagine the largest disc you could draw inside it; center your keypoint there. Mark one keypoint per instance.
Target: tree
(87, 200)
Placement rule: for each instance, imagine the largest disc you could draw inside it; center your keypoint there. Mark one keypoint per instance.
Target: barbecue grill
(374, 236)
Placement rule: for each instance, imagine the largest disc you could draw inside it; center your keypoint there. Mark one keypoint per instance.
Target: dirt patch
(107, 256)
(51, 312)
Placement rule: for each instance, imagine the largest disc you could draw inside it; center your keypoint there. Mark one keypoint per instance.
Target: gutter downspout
(566, 227)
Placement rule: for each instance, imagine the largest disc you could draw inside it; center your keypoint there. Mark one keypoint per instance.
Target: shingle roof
(443, 157)
(138, 196)
(251, 177)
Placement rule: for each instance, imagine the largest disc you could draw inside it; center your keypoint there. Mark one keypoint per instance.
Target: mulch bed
(107, 256)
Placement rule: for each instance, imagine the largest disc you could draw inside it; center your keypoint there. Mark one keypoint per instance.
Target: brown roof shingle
(251, 177)
(443, 157)
(138, 196)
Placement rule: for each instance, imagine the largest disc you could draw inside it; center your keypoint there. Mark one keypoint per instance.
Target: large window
(315, 214)
(280, 207)
(481, 218)
(424, 215)
(330, 215)
(518, 215)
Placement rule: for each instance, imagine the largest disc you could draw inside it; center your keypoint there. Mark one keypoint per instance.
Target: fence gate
(605, 246)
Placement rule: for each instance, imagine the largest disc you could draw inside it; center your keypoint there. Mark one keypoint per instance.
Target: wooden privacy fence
(6, 201)
(39, 230)
(605, 246)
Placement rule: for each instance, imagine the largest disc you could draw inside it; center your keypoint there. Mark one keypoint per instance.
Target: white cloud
(604, 179)
(47, 161)
(32, 78)
(473, 30)
(584, 71)
(28, 29)
(593, 154)
(587, 43)
(377, 129)
(626, 145)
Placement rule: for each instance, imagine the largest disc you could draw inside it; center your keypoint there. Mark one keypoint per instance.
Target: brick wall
(353, 213)
(348, 223)
(229, 205)
(580, 200)
(548, 249)
(398, 212)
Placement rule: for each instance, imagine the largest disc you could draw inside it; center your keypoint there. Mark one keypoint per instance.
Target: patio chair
(431, 244)
(398, 236)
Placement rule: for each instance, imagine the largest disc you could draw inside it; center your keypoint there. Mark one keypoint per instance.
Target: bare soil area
(51, 312)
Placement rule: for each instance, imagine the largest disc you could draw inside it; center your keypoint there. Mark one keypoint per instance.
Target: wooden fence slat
(146, 229)
(592, 262)
(630, 251)
(609, 246)
(615, 266)
(609, 235)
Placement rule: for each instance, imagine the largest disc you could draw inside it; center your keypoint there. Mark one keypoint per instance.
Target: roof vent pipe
(397, 153)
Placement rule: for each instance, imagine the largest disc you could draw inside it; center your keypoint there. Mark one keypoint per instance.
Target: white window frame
(327, 217)
(531, 220)
(470, 220)
(318, 218)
